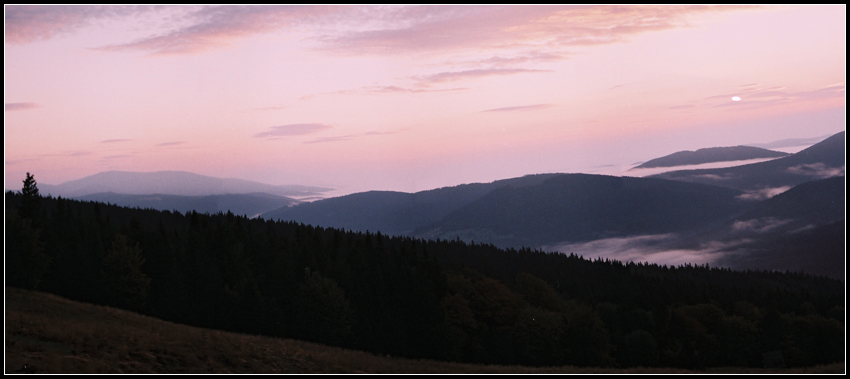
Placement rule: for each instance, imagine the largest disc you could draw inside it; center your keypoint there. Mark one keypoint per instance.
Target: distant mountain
(394, 213)
(527, 211)
(581, 207)
(170, 183)
(822, 160)
(711, 154)
(252, 204)
(789, 142)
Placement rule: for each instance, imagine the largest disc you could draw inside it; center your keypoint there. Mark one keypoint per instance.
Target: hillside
(250, 204)
(581, 207)
(421, 299)
(48, 334)
(393, 213)
(709, 155)
(822, 160)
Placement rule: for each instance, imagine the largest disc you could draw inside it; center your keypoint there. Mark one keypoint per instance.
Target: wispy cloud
(818, 170)
(545, 30)
(292, 130)
(113, 157)
(173, 143)
(763, 194)
(647, 248)
(19, 161)
(331, 139)
(217, 26)
(349, 137)
(19, 106)
(116, 140)
(759, 225)
(520, 108)
(683, 106)
(384, 90)
(471, 74)
(28, 23)
(763, 97)
(428, 28)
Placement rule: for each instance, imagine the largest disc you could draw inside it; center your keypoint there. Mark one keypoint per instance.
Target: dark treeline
(440, 299)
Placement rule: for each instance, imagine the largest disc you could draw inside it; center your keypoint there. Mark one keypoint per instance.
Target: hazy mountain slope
(170, 183)
(822, 160)
(241, 204)
(394, 213)
(818, 251)
(581, 207)
(711, 154)
(801, 229)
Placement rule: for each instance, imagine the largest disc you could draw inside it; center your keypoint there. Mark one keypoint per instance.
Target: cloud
(520, 108)
(753, 97)
(683, 106)
(429, 28)
(818, 170)
(763, 194)
(78, 153)
(759, 225)
(18, 161)
(174, 143)
(216, 26)
(544, 29)
(112, 157)
(655, 249)
(20, 106)
(292, 130)
(332, 139)
(476, 73)
(115, 140)
(382, 90)
(28, 23)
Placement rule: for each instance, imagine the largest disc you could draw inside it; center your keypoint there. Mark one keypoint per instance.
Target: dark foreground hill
(711, 154)
(49, 334)
(822, 160)
(421, 299)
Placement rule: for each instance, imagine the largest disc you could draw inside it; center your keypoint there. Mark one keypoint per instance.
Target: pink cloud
(292, 130)
(174, 143)
(28, 23)
(374, 29)
(470, 74)
(520, 108)
(451, 27)
(218, 25)
(20, 106)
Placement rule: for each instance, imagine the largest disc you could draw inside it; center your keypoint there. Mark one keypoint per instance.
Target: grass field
(49, 334)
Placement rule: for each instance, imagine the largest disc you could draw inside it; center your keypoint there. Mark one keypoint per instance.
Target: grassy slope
(49, 334)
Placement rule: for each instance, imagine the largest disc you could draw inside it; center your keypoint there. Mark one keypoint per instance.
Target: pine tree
(30, 201)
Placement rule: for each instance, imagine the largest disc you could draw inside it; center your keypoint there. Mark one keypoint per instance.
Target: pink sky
(407, 98)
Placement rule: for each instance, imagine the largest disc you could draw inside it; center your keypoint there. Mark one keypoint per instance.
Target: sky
(407, 98)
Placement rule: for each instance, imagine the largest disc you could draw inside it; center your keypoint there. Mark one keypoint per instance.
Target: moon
(736, 98)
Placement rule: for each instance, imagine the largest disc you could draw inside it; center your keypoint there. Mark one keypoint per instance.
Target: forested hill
(822, 160)
(711, 154)
(415, 298)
